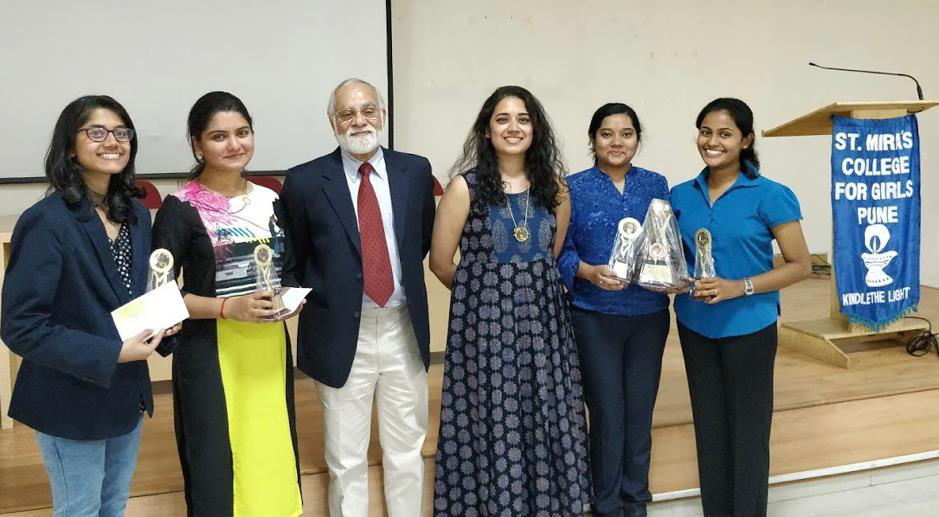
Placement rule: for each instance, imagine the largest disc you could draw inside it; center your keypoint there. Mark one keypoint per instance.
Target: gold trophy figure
(264, 260)
(161, 269)
(703, 258)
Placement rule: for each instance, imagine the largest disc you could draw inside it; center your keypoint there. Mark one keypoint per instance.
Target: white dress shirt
(379, 181)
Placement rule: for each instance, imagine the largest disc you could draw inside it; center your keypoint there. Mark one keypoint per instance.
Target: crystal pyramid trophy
(624, 258)
(662, 260)
(264, 267)
(703, 258)
(161, 269)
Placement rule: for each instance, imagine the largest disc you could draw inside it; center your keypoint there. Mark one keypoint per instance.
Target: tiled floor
(903, 491)
(913, 498)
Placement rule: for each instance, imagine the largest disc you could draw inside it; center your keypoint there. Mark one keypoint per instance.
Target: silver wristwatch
(747, 286)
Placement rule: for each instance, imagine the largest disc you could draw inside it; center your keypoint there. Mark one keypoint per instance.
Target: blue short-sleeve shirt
(741, 223)
(596, 208)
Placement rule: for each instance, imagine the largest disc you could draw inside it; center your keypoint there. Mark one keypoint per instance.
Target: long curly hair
(65, 173)
(543, 165)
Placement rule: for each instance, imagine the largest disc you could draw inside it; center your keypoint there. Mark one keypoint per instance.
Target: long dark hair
(611, 108)
(543, 164)
(202, 112)
(743, 118)
(64, 171)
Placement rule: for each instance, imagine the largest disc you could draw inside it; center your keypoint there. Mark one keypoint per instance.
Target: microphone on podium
(919, 90)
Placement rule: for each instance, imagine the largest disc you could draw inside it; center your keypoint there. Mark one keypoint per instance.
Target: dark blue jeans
(621, 362)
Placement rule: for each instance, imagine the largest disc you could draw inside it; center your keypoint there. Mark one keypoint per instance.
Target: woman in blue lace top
(620, 329)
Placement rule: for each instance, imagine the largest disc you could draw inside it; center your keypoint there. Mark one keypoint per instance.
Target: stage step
(860, 439)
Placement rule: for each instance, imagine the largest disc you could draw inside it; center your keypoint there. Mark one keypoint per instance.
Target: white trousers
(388, 367)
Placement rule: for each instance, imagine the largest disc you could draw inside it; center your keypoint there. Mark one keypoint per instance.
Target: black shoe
(634, 510)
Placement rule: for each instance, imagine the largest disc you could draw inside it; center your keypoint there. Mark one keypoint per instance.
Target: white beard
(358, 144)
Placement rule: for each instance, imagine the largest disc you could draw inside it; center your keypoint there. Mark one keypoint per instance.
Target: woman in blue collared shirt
(727, 325)
(620, 330)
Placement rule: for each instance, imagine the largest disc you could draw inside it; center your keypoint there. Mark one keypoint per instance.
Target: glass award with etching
(703, 258)
(624, 256)
(662, 266)
(161, 269)
(266, 280)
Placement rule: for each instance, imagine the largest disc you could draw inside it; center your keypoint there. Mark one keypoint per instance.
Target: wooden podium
(827, 339)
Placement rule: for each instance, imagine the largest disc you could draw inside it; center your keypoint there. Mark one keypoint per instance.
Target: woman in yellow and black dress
(232, 370)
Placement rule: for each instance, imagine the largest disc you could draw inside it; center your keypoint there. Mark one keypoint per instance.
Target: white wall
(281, 57)
(667, 59)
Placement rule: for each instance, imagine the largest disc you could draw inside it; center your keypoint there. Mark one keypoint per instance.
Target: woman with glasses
(620, 328)
(77, 255)
(232, 370)
(512, 435)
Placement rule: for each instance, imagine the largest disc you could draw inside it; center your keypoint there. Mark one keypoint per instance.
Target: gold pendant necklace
(519, 232)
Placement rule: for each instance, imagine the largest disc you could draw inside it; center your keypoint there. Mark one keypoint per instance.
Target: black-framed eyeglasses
(100, 134)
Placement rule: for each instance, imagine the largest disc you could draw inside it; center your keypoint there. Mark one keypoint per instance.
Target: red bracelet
(221, 309)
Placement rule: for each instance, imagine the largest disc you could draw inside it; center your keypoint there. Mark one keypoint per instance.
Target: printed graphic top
(237, 226)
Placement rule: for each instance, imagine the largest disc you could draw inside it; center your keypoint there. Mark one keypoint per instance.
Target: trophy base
(662, 279)
(622, 271)
(656, 274)
(278, 307)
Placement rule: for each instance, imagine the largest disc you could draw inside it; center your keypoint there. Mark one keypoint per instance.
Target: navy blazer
(60, 287)
(323, 253)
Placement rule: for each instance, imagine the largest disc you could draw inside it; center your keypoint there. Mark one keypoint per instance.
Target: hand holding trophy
(161, 307)
(708, 287)
(264, 262)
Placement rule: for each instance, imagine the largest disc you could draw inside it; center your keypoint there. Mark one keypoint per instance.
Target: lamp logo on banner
(875, 202)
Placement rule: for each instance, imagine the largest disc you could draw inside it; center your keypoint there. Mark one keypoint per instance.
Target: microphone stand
(919, 89)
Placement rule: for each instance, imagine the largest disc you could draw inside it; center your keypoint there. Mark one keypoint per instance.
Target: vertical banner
(875, 202)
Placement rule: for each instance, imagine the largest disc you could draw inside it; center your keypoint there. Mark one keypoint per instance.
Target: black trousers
(620, 362)
(731, 385)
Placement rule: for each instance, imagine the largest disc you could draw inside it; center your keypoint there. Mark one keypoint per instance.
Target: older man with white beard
(358, 224)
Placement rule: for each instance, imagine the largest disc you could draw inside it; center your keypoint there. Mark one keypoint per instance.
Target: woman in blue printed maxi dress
(512, 438)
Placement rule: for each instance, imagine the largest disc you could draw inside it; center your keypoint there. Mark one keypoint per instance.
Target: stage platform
(827, 420)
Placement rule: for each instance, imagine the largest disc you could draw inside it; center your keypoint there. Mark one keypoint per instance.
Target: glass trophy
(703, 258)
(161, 269)
(264, 267)
(625, 254)
(662, 266)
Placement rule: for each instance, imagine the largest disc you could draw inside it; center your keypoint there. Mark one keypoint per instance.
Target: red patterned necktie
(376, 266)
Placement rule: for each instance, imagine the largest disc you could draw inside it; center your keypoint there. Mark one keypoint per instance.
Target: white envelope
(161, 308)
(292, 296)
